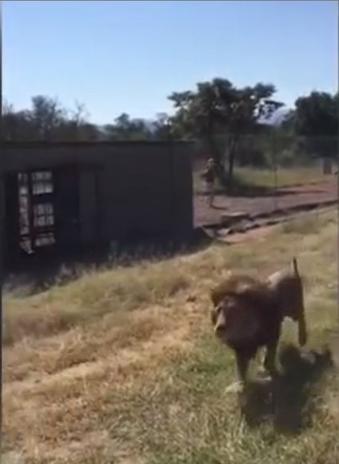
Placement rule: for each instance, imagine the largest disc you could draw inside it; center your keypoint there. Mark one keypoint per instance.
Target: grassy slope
(88, 379)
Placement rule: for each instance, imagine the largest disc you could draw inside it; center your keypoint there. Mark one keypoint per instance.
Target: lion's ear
(295, 266)
(214, 297)
(213, 314)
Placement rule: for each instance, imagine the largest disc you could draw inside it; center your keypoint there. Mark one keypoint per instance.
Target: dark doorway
(67, 209)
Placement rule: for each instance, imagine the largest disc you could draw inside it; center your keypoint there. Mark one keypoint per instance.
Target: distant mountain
(150, 126)
(148, 123)
(275, 120)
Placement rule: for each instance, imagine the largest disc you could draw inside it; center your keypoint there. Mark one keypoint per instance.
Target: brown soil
(285, 198)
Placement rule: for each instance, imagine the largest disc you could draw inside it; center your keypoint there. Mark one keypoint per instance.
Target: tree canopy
(217, 114)
(316, 118)
(48, 120)
(218, 110)
(317, 114)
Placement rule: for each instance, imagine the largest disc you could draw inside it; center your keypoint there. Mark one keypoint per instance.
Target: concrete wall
(126, 189)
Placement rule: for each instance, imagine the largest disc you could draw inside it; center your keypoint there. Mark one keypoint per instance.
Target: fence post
(275, 171)
(327, 166)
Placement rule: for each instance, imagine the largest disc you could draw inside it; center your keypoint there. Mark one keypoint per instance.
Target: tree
(88, 132)
(16, 125)
(125, 128)
(123, 124)
(317, 114)
(316, 118)
(218, 111)
(162, 127)
(47, 116)
(76, 127)
(47, 120)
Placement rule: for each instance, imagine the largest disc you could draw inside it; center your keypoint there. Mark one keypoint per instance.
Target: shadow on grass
(290, 400)
(38, 273)
(243, 188)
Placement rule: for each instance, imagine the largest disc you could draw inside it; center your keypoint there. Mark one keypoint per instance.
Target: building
(63, 197)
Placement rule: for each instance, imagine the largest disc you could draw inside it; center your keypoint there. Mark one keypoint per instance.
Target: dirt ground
(322, 191)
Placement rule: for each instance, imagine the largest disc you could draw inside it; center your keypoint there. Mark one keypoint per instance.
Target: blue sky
(129, 56)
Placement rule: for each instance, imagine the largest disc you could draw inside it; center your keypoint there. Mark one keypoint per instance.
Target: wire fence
(281, 159)
(270, 172)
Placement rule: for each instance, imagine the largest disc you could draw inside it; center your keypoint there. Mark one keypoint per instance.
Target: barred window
(42, 182)
(43, 215)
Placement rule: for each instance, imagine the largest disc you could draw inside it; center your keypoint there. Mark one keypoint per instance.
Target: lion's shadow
(289, 399)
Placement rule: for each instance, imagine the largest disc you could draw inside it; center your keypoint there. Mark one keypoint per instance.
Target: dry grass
(285, 176)
(120, 366)
(91, 296)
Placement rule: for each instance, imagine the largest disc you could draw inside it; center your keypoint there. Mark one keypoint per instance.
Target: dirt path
(286, 197)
